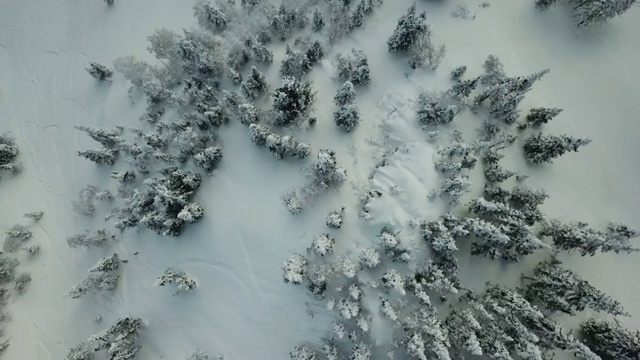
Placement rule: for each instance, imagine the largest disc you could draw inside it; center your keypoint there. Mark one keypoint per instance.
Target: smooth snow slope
(242, 309)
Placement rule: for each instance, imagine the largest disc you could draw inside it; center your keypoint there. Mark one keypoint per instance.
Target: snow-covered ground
(242, 309)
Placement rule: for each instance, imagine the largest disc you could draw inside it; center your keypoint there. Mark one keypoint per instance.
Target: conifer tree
(562, 290)
(318, 21)
(540, 148)
(292, 101)
(100, 72)
(539, 116)
(609, 340)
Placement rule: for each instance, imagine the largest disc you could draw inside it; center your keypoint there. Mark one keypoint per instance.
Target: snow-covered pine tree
(325, 171)
(458, 72)
(493, 71)
(435, 109)
(578, 236)
(322, 244)
(335, 218)
(347, 117)
(292, 101)
(407, 30)
(15, 237)
(255, 84)
(588, 12)
(463, 329)
(345, 95)
(360, 74)
(540, 148)
(209, 17)
(106, 137)
(609, 340)
(295, 63)
(559, 289)
(539, 116)
(99, 238)
(295, 269)
(100, 156)
(303, 352)
(8, 152)
(209, 157)
(318, 21)
(393, 246)
(177, 277)
(100, 72)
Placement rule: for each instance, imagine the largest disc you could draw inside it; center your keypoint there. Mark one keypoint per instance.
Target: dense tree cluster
(609, 340)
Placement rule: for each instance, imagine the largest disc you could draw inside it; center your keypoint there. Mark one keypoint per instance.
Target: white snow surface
(242, 309)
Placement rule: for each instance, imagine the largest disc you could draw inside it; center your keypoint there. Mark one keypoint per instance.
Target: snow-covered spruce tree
(325, 171)
(540, 148)
(458, 72)
(7, 269)
(292, 101)
(463, 328)
(463, 88)
(100, 72)
(317, 22)
(177, 277)
(255, 84)
(527, 200)
(100, 156)
(295, 63)
(539, 116)
(592, 12)
(435, 109)
(558, 289)
(322, 244)
(345, 95)
(413, 36)
(88, 239)
(15, 237)
(441, 235)
(347, 117)
(201, 54)
(312, 49)
(209, 158)
(295, 269)
(431, 278)
(393, 246)
(609, 340)
(335, 219)
(119, 341)
(504, 93)
(21, 282)
(106, 137)
(511, 325)
(158, 207)
(210, 17)
(32, 250)
(579, 237)
(8, 152)
(303, 352)
(500, 231)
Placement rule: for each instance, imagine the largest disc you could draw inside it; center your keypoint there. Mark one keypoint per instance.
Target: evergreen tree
(100, 72)
(609, 340)
(295, 269)
(8, 152)
(578, 236)
(295, 63)
(540, 148)
(107, 138)
(180, 278)
(322, 244)
(100, 156)
(318, 21)
(360, 75)
(347, 117)
(545, 4)
(589, 12)
(292, 100)
(209, 17)
(209, 158)
(458, 72)
(335, 218)
(559, 289)
(407, 31)
(434, 109)
(539, 116)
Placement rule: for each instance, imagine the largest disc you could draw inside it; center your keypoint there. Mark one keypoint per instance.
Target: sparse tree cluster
(102, 276)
